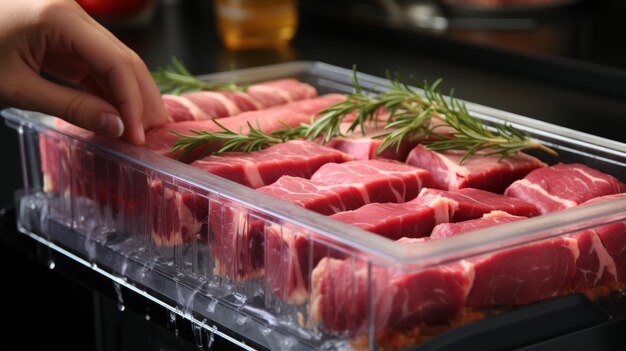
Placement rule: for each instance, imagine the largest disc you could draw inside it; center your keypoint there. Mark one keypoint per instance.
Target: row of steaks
(411, 195)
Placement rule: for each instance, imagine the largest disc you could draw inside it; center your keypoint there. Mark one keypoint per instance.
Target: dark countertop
(562, 70)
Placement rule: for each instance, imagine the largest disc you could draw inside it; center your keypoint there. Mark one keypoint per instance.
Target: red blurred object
(115, 8)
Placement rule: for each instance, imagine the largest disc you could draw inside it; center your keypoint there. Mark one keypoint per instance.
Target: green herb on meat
(227, 140)
(412, 114)
(407, 114)
(176, 79)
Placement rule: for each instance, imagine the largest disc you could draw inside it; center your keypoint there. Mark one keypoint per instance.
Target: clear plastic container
(103, 201)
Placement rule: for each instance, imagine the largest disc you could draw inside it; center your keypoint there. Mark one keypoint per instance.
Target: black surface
(522, 326)
(573, 81)
(604, 337)
(43, 308)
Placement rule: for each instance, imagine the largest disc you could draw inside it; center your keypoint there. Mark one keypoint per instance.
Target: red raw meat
(75, 169)
(364, 146)
(473, 203)
(316, 196)
(217, 104)
(346, 186)
(563, 186)
(613, 237)
(253, 169)
(181, 109)
(417, 218)
(594, 265)
(280, 91)
(518, 275)
(204, 105)
(353, 184)
(412, 219)
(274, 118)
(356, 184)
(292, 256)
(55, 160)
(478, 171)
(296, 158)
(161, 139)
(344, 290)
(385, 180)
(175, 216)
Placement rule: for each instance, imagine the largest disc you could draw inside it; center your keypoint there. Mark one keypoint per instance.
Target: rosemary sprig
(405, 108)
(472, 135)
(467, 132)
(409, 116)
(227, 140)
(327, 125)
(176, 79)
(412, 113)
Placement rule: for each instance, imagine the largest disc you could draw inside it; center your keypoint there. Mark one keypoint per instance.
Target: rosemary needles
(225, 140)
(406, 113)
(176, 79)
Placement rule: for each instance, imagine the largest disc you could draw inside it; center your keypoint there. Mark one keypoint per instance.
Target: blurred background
(559, 61)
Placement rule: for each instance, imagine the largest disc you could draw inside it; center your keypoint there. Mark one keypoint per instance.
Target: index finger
(114, 67)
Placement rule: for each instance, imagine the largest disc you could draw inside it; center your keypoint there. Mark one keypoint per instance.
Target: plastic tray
(91, 227)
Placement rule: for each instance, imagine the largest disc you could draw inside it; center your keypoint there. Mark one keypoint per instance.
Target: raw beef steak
(563, 186)
(161, 139)
(296, 158)
(518, 275)
(478, 171)
(473, 203)
(204, 105)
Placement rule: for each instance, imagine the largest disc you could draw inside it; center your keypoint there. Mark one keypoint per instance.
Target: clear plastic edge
(370, 246)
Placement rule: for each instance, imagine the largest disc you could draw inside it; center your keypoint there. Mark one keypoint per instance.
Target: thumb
(77, 107)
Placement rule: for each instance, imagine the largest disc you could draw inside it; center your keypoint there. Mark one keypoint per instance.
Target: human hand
(119, 97)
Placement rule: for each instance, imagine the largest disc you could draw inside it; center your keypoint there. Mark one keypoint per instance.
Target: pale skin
(118, 97)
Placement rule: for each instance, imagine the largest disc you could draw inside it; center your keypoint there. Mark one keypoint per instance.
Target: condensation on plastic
(107, 201)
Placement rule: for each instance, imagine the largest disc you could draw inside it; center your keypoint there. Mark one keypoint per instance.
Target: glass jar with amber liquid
(253, 24)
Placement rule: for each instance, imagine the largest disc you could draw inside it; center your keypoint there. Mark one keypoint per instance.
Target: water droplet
(51, 264)
(287, 344)
(242, 319)
(265, 331)
(239, 299)
(120, 298)
(172, 317)
(124, 267)
(211, 307)
(211, 337)
(147, 317)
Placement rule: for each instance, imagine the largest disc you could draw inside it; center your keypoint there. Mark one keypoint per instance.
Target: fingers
(57, 36)
(77, 107)
(155, 113)
(114, 68)
(113, 71)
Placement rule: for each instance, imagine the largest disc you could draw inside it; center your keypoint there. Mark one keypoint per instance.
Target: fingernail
(142, 135)
(110, 124)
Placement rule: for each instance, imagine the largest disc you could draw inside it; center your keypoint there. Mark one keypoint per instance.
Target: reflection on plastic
(254, 24)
